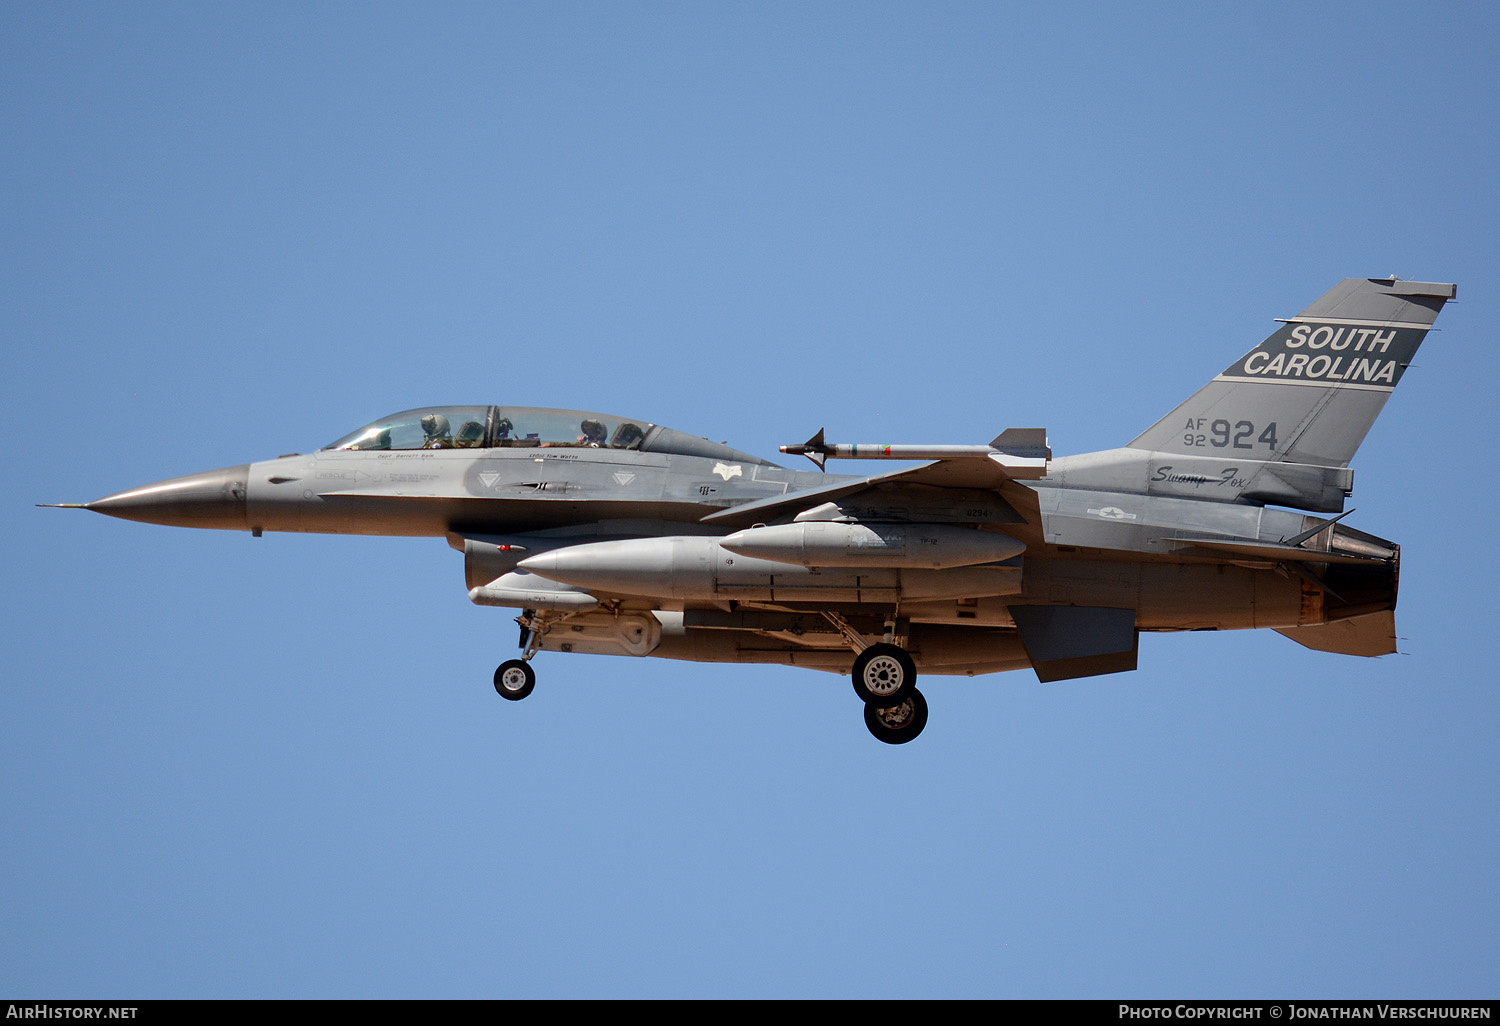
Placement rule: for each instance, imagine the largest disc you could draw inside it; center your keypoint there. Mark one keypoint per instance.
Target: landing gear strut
(515, 678)
(885, 680)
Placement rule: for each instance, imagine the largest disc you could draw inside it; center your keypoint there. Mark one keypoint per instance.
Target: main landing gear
(883, 673)
(885, 680)
(899, 723)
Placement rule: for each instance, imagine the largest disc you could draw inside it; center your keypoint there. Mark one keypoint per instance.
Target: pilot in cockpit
(435, 431)
(593, 434)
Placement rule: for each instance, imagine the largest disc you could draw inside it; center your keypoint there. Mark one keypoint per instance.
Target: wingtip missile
(1020, 452)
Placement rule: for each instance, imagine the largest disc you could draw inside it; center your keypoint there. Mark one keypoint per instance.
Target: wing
(962, 484)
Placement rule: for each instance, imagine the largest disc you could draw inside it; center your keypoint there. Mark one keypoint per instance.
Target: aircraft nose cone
(214, 498)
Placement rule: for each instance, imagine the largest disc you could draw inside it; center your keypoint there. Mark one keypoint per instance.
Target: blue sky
(275, 767)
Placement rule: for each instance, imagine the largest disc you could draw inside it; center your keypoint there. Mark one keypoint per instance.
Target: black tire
(883, 674)
(899, 723)
(514, 679)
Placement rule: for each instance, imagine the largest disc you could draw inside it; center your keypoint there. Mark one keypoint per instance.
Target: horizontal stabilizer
(1064, 642)
(1373, 634)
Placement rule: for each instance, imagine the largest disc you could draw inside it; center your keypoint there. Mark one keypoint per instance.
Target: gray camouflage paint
(1171, 532)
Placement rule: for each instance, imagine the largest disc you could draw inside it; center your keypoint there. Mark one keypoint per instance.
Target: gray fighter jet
(616, 535)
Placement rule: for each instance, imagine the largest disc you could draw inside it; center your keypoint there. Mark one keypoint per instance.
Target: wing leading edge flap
(1064, 642)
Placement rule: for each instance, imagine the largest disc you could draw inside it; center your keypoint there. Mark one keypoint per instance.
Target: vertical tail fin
(1310, 392)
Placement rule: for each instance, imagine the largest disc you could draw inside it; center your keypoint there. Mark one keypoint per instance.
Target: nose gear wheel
(514, 679)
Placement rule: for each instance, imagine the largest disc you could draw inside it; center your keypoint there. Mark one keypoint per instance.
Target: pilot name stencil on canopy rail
(616, 535)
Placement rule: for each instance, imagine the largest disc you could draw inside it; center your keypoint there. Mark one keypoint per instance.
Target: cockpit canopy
(520, 427)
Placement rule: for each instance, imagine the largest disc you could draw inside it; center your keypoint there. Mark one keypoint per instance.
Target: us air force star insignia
(726, 471)
(1112, 513)
(624, 477)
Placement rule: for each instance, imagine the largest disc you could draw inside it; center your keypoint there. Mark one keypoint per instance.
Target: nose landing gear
(515, 678)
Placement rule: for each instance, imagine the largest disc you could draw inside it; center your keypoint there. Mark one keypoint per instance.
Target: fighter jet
(617, 535)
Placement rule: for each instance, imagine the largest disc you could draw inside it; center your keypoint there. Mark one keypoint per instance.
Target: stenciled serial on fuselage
(614, 535)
